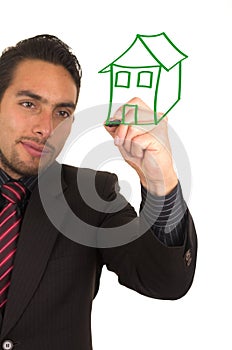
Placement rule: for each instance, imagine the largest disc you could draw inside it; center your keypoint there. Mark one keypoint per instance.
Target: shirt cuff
(165, 215)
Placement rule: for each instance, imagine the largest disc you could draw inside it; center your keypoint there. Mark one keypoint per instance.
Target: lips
(34, 149)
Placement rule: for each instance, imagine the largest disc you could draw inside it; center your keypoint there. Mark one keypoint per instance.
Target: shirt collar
(28, 181)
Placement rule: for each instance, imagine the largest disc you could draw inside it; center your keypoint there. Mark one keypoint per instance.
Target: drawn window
(145, 79)
(122, 79)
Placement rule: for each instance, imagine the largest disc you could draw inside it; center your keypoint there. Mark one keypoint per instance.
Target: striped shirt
(166, 215)
(28, 181)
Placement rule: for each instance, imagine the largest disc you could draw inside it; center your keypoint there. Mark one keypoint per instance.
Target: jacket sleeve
(140, 260)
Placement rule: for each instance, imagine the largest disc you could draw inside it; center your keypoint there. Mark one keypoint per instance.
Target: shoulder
(86, 178)
(70, 172)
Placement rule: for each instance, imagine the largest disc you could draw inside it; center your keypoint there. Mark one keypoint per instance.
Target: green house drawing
(151, 69)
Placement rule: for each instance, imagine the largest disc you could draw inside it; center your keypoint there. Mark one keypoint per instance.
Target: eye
(63, 114)
(27, 104)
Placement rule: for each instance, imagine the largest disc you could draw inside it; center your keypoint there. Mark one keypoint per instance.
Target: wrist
(160, 188)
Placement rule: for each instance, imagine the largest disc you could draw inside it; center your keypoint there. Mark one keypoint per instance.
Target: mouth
(35, 149)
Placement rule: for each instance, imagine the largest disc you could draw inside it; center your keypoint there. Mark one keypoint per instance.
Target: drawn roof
(159, 51)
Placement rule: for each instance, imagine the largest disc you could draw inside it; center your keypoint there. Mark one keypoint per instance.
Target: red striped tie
(10, 220)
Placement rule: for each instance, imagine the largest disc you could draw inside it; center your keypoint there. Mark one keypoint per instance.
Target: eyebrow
(31, 94)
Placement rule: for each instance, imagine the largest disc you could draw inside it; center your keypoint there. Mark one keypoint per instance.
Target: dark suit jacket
(55, 279)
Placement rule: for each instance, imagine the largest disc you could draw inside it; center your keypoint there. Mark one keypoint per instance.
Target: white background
(99, 31)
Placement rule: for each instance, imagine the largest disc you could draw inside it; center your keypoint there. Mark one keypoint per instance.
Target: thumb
(111, 126)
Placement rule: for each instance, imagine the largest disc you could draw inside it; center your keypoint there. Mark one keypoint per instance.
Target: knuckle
(136, 100)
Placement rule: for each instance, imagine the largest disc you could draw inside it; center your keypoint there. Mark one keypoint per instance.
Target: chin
(33, 170)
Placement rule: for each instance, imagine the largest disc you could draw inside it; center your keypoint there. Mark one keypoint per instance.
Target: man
(48, 281)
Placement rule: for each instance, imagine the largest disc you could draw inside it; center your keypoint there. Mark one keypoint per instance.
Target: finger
(111, 126)
(127, 156)
(120, 134)
(136, 150)
(126, 132)
(131, 133)
(137, 101)
(111, 130)
(143, 143)
(128, 111)
(139, 116)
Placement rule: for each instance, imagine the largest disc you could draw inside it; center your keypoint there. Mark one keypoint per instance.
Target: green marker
(112, 123)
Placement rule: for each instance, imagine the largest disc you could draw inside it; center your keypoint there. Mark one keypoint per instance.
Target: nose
(43, 125)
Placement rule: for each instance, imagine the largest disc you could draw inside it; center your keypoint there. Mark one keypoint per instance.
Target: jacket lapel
(37, 238)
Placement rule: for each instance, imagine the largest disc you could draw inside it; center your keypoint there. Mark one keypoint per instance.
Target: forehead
(44, 78)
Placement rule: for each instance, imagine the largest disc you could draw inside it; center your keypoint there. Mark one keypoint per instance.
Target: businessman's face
(36, 110)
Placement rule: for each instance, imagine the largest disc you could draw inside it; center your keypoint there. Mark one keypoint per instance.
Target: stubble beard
(17, 168)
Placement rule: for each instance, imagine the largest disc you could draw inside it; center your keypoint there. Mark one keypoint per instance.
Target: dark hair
(44, 47)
